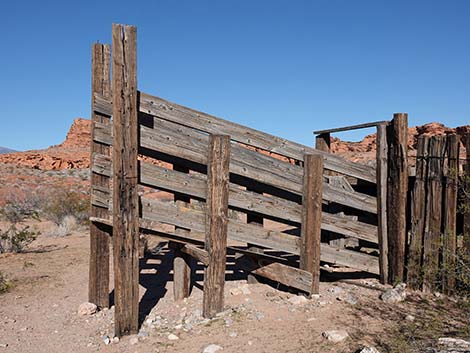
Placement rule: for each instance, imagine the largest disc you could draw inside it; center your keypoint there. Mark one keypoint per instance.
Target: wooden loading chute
(225, 167)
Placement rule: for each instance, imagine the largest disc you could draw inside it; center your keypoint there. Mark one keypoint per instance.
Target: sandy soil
(39, 312)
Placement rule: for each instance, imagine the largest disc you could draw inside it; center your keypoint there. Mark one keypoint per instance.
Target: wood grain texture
(432, 226)
(125, 174)
(311, 219)
(210, 124)
(181, 260)
(98, 283)
(272, 207)
(466, 224)
(216, 224)
(450, 213)
(187, 143)
(397, 134)
(351, 127)
(381, 172)
(418, 215)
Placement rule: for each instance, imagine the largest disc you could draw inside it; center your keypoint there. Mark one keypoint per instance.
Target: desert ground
(45, 286)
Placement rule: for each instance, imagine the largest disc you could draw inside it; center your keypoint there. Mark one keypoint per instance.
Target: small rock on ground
(87, 309)
(212, 348)
(394, 295)
(369, 350)
(454, 345)
(173, 337)
(335, 336)
(297, 300)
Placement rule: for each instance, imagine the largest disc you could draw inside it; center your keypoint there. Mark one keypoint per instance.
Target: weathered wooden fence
(214, 167)
(434, 202)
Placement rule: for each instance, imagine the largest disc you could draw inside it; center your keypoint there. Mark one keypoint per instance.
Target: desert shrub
(4, 283)
(65, 203)
(17, 208)
(16, 239)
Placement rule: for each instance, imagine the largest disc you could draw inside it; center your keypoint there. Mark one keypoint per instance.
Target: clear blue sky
(285, 67)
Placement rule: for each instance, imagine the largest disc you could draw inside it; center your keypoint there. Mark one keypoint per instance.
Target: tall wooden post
(397, 193)
(418, 215)
(216, 223)
(181, 261)
(125, 174)
(381, 172)
(433, 222)
(98, 286)
(311, 218)
(450, 213)
(466, 222)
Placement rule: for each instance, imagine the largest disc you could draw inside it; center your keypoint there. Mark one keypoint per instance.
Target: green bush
(65, 203)
(16, 240)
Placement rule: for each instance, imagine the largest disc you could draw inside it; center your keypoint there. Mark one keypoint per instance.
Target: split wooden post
(216, 223)
(450, 213)
(381, 172)
(311, 218)
(418, 216)
(98, 285)
(397, 135)
(432, 226)
(181, 261)
(466, 221)
(125, 174)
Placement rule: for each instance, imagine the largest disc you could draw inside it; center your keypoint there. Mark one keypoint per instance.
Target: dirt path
(39, 313)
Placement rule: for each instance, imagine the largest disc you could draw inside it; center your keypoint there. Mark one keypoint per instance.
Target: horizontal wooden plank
(351, 127)
(187, 143)
(210, 124)
(194, 185)
(178, 215)
(275, 271)
(192, 250)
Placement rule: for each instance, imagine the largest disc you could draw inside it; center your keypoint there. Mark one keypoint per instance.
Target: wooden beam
(181, 260)
(210, 124)
(311, 219)
(397, 195)
(381, 172)
(418, 216)
(466, 225)
(98, 284)
(432, 226)
(216, 224)
(351, 127)
(199, 254)
(450, 214)
(125, 175)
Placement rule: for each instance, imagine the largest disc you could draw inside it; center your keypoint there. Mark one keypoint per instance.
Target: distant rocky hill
(74, 152)
(4, 150)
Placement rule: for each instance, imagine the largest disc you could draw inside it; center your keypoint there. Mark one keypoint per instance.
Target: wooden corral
(218, 170)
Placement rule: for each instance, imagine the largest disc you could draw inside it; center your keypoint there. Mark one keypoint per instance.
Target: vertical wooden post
(98, 285)
(432, 226)
(397, 193)
(255, 220)
(418, 216)
(450, 213)
(323, 142)
(381, 172)
(216, 223)
(466, 221)
(125, 173)
(311, 218)
(181, 261)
